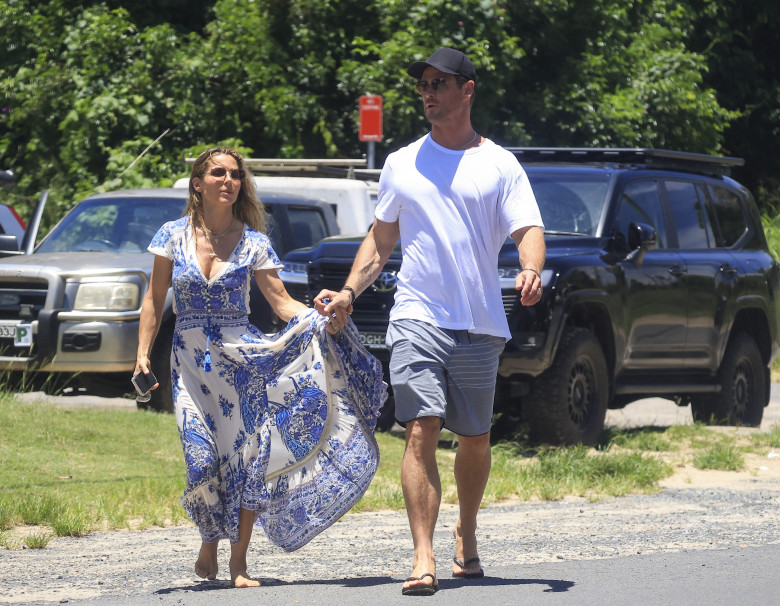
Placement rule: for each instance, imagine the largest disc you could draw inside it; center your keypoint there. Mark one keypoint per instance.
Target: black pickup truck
(658, 282)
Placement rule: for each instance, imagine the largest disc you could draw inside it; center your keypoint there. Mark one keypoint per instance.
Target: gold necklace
(471, 141)
(216, 237)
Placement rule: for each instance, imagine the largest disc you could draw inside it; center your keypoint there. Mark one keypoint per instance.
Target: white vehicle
(352, 197)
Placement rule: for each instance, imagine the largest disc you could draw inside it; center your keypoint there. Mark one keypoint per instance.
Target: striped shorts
(450, 374)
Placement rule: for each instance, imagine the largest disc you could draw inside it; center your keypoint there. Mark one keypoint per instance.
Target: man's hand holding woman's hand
(336, 306)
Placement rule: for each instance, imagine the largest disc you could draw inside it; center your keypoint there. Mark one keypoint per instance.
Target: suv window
(689, 208)
(729, 215)
(308, 226)
(117, 224)
(570, 201)
(640, 203)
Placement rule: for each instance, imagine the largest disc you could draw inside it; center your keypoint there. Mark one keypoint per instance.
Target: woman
(276, 429)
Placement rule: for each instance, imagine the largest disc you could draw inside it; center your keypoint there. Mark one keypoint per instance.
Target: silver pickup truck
(69, 309)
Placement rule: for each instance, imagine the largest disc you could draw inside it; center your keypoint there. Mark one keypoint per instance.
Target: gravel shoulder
(377, 546)
(694, 511)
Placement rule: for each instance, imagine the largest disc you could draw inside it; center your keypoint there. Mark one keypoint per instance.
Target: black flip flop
(467, 575)
(421, 589)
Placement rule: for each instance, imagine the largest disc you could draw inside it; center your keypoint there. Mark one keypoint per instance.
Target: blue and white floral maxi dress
(279, 424)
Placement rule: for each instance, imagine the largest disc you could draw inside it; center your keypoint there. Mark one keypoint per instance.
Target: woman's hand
(142, 365)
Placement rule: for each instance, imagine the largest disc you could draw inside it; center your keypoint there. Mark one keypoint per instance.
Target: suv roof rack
(310, 167)
(654, 158)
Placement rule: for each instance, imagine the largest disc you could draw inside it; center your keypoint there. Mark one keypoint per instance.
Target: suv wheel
(742, 387)
(160, 360)
(568, 402)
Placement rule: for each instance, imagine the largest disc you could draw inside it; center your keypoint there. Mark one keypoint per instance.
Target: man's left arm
(531, 251)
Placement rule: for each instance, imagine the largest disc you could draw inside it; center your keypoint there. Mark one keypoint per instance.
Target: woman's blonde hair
(247, 208)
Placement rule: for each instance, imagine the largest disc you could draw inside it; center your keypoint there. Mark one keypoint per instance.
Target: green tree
(616, 74)
(741, 43)
(85, 87)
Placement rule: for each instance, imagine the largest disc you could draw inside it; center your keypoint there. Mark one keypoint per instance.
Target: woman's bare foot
(206, 566)
(239, 576)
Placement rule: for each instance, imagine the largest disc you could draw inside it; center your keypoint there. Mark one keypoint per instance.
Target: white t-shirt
(455, 210)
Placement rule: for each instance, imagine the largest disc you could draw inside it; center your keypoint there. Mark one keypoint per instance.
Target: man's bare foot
(239, 576)
(206, 566)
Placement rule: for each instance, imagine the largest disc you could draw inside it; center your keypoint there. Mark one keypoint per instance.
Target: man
(453, 196)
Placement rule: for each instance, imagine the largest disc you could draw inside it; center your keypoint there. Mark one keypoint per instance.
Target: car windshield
(124, 225)
(571, 200)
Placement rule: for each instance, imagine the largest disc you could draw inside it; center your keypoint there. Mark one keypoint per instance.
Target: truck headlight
(295, 273)
(107, 296)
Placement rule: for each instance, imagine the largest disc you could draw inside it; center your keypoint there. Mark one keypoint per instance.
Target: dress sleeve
(162, 243)
(264, 255)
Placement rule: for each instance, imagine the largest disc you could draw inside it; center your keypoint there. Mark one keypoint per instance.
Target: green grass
(75, 470)
(770, 439)
(723, 457)
(554, 473)
(37, 540)
(72, 471)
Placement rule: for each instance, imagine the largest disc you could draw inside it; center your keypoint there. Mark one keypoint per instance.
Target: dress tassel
(207, 357)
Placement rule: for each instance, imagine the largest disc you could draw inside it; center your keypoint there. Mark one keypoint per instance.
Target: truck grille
(299, 292)
(331, 279)
(371, 309)
(509, 299)
(22, 300)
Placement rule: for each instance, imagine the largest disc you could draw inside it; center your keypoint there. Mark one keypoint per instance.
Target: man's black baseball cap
(447, 60)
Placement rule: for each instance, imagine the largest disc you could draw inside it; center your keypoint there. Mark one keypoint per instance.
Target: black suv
(658, 282)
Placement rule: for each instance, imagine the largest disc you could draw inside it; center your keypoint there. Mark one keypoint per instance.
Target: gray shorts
(450, 374)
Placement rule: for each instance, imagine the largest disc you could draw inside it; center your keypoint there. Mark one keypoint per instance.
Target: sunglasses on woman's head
(220, 171)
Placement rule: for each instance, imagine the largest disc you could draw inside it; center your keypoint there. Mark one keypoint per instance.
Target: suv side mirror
(8, 245)
(7, 178)
(641, 238)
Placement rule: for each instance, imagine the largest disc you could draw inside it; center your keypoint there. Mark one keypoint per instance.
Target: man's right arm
(369, 261)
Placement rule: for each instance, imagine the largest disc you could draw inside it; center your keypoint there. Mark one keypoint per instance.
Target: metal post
(370, 159)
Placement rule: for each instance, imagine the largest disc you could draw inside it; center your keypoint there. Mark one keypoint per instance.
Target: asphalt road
(723, 577)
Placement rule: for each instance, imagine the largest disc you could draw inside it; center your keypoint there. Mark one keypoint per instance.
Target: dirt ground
(657, 412)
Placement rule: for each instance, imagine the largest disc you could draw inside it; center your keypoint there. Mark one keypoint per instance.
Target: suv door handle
(676, 270)
(728, 269)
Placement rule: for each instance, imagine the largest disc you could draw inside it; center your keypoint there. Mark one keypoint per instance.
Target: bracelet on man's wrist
(533, 270)
(351, 291)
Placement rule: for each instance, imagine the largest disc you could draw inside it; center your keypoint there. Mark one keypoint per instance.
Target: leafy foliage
(86, 87)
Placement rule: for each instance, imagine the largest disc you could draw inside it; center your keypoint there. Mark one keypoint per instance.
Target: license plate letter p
(23, 337)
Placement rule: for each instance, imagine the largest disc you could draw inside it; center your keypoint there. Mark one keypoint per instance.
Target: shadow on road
(553, 585)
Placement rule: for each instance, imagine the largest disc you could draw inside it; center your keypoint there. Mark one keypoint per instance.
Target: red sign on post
(370, 118)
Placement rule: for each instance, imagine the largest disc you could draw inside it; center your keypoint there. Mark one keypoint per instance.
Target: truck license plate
(375, 340)
(22, 334)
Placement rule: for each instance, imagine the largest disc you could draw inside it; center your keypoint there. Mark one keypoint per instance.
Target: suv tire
(568, 402)
(742, 393)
